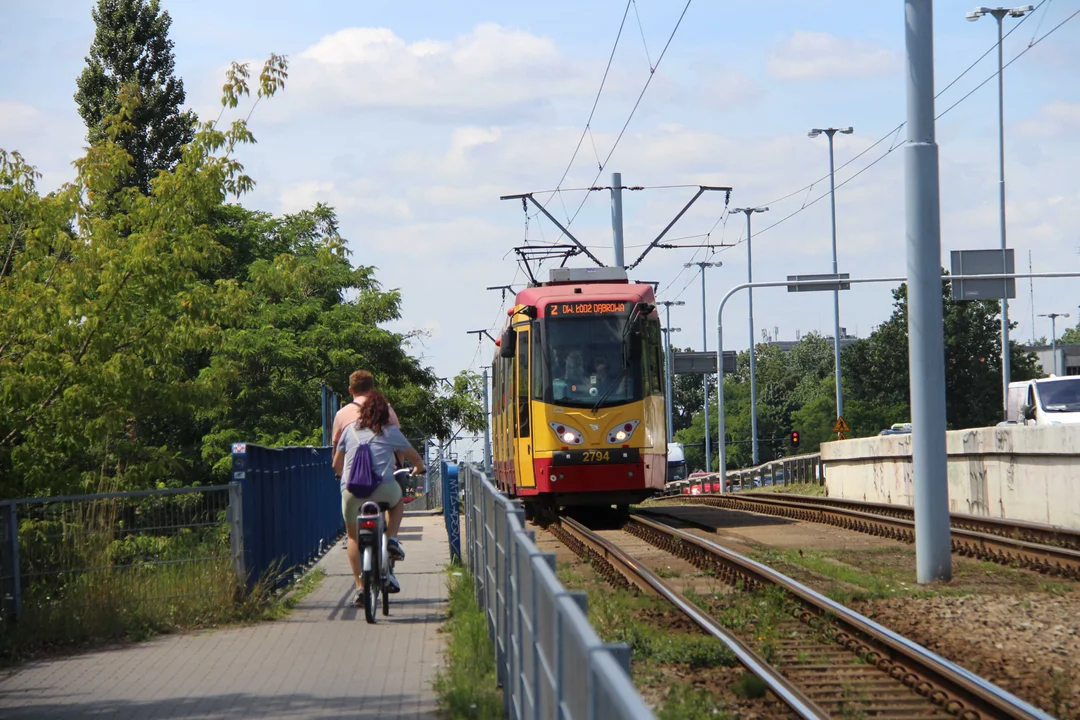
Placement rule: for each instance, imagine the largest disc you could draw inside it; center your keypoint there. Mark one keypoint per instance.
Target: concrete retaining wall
(1019, 473)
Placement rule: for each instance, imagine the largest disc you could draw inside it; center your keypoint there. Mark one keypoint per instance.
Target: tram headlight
(566, 434)
(622, 432)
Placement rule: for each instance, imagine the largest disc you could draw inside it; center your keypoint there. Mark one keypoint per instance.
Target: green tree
(132, 47)
(876, 369)
(1070, 336)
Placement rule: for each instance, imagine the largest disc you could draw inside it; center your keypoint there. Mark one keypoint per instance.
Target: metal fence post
(236, 530)
(11, 538)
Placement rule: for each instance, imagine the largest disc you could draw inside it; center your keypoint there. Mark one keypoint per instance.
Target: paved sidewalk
(322, 661)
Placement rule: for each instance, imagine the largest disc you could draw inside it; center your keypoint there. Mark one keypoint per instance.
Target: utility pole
(750, 303)
(668, 370)
(926, 335)
(487, 426)
(1006, 359)
(705, 348)
(1053, 336)
(616, 217)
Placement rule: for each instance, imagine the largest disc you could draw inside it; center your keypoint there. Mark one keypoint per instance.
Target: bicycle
(376, 560)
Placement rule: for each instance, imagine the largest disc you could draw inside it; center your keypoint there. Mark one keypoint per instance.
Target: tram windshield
(592, 359)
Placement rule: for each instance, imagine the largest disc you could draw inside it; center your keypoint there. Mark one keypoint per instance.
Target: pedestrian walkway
(322, 661)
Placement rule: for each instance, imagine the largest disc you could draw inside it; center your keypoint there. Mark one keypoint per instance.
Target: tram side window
(651, 354)
(522, 355)
(537, 364)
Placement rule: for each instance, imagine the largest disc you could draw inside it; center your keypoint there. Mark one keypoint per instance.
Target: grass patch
(686, 702)
(619, 616)
(134, 605)
(466, 685)
(793, 489)
(668, 572)
(749, 685)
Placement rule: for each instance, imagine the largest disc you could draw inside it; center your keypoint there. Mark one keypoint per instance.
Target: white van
(676, 459)
(1051, 401)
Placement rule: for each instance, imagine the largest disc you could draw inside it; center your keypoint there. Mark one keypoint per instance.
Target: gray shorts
(387, 492)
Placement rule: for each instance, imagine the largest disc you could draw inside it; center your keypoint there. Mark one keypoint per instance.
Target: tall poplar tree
(132, 47)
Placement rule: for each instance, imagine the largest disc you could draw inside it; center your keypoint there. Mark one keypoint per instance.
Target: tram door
(523, 459)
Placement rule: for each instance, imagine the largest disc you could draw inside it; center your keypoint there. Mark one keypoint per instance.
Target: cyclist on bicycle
(362, 384)
(372, 427)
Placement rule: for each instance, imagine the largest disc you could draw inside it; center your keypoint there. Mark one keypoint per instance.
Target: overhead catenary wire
(895, 131)
(596, 101)
(633, 110)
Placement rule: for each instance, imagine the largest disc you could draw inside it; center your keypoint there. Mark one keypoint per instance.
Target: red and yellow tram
(578, 412)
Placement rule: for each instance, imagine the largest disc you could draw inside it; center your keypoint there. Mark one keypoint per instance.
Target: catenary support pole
(750, 314)
(836, 293)
(705, 378)
(616, 217)
(487, 428)
(926, 343)
(1006, 359)
(668, 369)
(669, 359)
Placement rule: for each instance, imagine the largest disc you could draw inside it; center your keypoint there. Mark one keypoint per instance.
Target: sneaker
(392, 585)
(358, 600)
(396, 551)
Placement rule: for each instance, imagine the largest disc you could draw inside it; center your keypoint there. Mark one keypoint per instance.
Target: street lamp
(750, 304)
(999, 15)
(704, 348)
(667, 358)
(1053, 335)
(836, 293)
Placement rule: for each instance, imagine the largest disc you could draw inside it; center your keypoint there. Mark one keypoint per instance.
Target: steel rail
(954, 688)
(586, 542)
(1040, 533)
(1001, 549)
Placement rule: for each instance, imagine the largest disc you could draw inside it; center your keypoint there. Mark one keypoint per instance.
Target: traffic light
(795, 439)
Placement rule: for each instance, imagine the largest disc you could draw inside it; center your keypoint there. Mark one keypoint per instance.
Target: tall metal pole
(753, 353)
(487, 428)
(836, 293)
(926, 343)
(668, 369)
(1006, 360)
(1053, 341)
(1053, 337)
(1006, 354)
(705, 378)
(616, 217)
(704, 348)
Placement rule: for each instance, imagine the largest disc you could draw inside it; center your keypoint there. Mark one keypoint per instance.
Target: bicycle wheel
(371, 596)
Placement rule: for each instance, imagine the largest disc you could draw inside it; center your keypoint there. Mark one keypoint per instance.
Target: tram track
(830, 661)
(1045, 549)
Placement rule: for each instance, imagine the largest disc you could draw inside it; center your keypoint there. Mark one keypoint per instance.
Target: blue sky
(413, 117)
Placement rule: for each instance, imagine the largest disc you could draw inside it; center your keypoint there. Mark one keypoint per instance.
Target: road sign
(983, 262)
(702, 363)
(798, 283)
(841, 426)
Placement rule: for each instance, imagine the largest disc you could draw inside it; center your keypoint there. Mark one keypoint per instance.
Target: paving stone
(322, 661)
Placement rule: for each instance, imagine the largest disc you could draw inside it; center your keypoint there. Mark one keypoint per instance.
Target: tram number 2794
(595, 456)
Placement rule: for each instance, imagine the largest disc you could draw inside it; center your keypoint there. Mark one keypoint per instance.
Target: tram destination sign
(603, 307)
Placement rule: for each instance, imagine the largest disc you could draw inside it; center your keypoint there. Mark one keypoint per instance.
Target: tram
(578, 412)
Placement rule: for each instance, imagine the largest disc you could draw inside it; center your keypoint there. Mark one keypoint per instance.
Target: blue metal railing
(290, 506)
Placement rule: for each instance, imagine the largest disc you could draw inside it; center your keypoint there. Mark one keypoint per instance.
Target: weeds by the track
(466, 684)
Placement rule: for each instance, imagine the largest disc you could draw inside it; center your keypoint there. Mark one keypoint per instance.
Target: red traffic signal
(794, 438)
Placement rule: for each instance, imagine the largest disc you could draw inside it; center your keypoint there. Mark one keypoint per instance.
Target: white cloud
(17, 117)
(1054, 119)
(489, 68)
(818, 56)
(357, 196)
